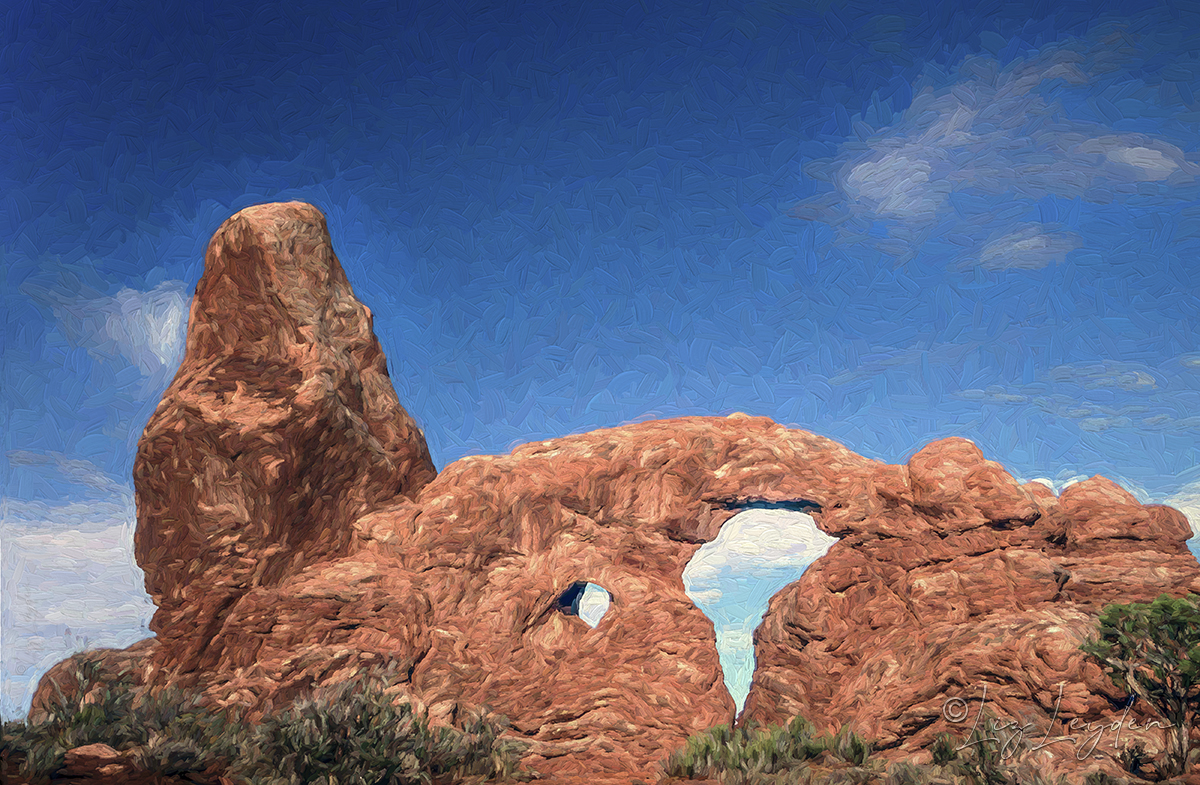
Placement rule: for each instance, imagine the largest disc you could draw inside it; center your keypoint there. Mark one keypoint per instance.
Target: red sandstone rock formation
(279, 430)
(292, 532)
(970, 582)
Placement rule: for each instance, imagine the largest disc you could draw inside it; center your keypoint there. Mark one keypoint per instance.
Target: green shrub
(76, 717)
(347, 733)
(944, 749)
(1153, 651)
(1100, 778)
(183, 736)
(1134, 757)
(906, 774)
(981, 760)
(734, 754)
(850, 747)
(352, 733)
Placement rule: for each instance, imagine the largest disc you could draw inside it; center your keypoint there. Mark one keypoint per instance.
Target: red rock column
(279, 430)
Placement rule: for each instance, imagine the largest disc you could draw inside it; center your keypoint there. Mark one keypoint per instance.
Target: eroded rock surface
(970, 582)
(279, 430)
(293, 532)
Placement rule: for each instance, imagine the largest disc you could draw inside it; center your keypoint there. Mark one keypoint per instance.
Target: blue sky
(883, 222)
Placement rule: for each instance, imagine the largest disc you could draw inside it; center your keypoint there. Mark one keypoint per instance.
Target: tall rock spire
(279, 430)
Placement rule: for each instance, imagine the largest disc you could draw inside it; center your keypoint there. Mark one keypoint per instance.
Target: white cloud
(756, 553)
(901, 184)
(1028, 246)
(881, 359)
(69, 581)
(1187, 501)
(1138, 157)
(993, 394)
(997, 132)
(76, 470)
(709, 596)
(763, 539)
(1131, 377)
(737, 637)
(1064, 480)
(593, 604)
(146, 328)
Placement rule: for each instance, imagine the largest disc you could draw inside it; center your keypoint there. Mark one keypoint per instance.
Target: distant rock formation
(293, 531)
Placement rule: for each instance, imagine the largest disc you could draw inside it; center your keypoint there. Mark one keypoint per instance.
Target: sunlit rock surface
(292, 531)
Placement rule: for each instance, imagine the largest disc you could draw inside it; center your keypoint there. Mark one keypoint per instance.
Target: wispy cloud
(75, 470)
(143, 328)
(1128, 376)
(882, 359)
(1000, 133)
(1028, 246)
(1085, 393)
(69, 581)
(993, 394)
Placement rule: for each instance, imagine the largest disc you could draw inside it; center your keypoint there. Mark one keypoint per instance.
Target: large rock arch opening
(758, 551)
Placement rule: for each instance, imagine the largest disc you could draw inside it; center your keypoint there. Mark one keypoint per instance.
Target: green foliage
(185, 737)
(906, 774)
(90, 712)
(347, 733)
(944, 749)
(750, 751)
(981, 760)
(1134, 757)
(1152, 650)
(850, 747)
(352, 732)
(1100, 778)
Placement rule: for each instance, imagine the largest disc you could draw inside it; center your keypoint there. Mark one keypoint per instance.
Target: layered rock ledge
(293, 530)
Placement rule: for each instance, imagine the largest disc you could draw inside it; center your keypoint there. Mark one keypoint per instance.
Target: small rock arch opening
(588, 601)
(731, 579)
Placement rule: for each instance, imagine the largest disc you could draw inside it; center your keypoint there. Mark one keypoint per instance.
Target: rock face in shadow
(293, 531)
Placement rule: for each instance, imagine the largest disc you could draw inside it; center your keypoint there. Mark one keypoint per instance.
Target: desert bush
(184, 736)
(1152, 650)
(853, 776)
(850, 747)
(907, 774)
(1133, 757)
(751, 753)
(981, 761)
(748, 749)
(1100, 778)
(353, 733)
(348, 733)
(91, 713)
(944, 749)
